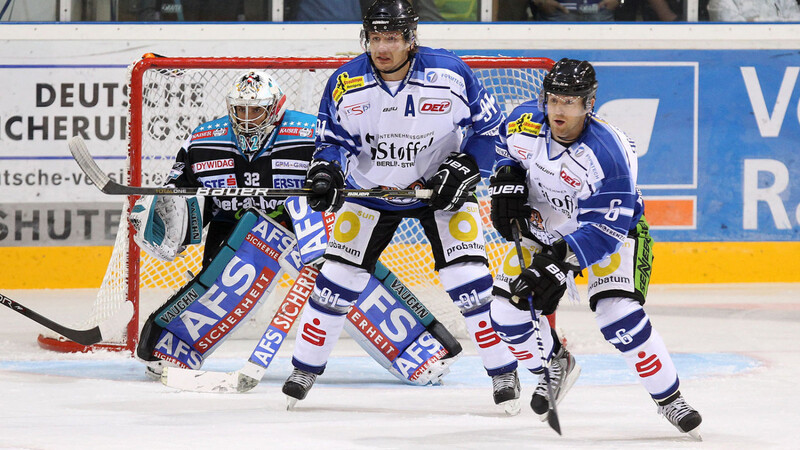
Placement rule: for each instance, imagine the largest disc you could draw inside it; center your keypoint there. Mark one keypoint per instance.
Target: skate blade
(695, 434)
(290, 402)
(511, 407)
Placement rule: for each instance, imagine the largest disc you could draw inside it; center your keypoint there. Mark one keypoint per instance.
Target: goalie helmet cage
(168, 97)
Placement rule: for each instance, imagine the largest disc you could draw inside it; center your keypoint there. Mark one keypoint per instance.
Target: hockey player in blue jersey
(402, 116)
(259, 143)
(570, 179)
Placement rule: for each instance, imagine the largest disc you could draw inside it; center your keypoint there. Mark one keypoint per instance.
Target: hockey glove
(454, 182)
(325, 179)
(545, 279)
(164, 224)
(509, 190)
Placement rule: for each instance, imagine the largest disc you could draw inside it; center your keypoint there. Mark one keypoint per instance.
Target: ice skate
(506, 388)
(297, 386)
(685, 418)
(155, 369)
(564, 371)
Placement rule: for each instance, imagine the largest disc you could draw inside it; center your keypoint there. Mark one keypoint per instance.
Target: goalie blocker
(387, 321)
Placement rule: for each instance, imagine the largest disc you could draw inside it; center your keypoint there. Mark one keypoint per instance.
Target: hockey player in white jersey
(570, 179)
(402, 116)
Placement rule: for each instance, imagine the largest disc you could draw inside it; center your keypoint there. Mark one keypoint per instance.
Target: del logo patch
(524, 125)
(344, 83)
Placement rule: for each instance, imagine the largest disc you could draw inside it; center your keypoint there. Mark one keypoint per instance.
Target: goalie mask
(255, 106)
(567, 83)
(390, 16)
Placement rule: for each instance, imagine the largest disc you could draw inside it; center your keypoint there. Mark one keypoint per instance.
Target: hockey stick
(84, 337)
(552, 415)
(81, 154)
(250, 375)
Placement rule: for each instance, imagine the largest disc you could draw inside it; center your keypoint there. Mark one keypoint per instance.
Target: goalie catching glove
(545, 279)
(509, 190)
(454, 182)
(325, 179)
(165, 224)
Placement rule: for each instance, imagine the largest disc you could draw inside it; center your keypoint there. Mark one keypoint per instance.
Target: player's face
(250, 115)
(566, 116)
(388, 50)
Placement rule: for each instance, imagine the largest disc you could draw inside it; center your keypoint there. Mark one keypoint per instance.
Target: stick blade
(77, 146)
(552, 420)
(200, 380)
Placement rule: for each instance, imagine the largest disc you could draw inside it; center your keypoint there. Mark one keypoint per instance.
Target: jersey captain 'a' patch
(216, 132)
(524, 125)
(344, 83)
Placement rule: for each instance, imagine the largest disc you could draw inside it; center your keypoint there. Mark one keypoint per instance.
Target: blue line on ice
(362, 371)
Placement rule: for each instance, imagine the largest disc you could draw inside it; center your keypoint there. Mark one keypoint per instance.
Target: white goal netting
(171, 96)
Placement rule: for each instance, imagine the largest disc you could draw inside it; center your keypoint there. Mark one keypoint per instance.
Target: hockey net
(168, 97)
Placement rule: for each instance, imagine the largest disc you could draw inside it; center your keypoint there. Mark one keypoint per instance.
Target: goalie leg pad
(205, 311)
(389, 322)
(159, 348)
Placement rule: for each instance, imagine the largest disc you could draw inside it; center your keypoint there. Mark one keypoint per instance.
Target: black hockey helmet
(570, 77)
(391, 15)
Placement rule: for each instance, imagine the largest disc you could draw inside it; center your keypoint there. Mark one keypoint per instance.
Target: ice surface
(735, 346)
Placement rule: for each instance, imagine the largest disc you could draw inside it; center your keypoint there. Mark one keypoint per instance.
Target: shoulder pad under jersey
(214, 131)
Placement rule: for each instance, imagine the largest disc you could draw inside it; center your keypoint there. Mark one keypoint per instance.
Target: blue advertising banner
(717, 134)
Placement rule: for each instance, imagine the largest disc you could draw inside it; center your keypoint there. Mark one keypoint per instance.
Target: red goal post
(168, 97)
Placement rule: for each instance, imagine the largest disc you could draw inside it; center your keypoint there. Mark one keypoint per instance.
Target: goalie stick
(84, 337)
(88, 165)
(250, 375)
(552, 415)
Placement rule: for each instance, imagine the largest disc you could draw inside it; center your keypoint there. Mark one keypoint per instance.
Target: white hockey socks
(473, 299)
(323, 320)
(515, 327)
(627, 327)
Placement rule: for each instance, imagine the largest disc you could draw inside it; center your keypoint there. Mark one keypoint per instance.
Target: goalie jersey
(585, 193)
(210, 157)
(396, 134)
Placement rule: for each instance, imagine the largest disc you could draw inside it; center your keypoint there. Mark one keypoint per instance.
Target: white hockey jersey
(398, 139)
(585, 193)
